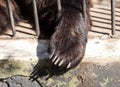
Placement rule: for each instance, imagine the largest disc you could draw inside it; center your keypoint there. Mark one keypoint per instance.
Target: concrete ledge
(19, 56)
(103, 50)
(22, 49)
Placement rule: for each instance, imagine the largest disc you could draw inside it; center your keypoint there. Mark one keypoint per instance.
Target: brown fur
(70, 38)
(67, 33)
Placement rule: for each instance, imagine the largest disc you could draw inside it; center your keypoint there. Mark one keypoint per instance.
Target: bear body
(67, 32)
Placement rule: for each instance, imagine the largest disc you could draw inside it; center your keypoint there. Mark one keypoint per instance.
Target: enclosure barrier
(11, 17)
(113, 17)
(35, 17)
(59, 9)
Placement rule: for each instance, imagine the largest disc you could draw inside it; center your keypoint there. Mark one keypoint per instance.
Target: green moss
(50, 81)
(73, 82)
(9, 68)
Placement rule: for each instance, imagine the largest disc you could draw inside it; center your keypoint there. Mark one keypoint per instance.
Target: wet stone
(3, 84)
(20, 81)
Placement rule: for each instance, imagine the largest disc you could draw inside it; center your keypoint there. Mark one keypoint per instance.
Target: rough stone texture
(19, 81)
(87, 74)
(3, 84)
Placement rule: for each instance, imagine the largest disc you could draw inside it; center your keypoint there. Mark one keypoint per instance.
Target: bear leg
(68, 42)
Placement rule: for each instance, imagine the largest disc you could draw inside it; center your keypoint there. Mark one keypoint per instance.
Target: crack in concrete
(7, 84)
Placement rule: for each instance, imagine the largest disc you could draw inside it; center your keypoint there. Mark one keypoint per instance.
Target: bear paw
(66, 50)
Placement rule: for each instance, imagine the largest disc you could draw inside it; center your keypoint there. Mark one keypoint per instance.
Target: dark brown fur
(69, 40)
(67, 33)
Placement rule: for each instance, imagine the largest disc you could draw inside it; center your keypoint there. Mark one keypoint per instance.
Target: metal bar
(113, 16)
(11, 17)
(36, 18)
(84, 11)
(59, 7)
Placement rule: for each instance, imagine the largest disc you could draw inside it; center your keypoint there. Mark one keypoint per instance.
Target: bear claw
(53, 60)
(61, 63)
(69, 65)
(51, 56)
(57, 61)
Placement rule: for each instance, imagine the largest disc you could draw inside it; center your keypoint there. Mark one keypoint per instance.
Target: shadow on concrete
(45, 67)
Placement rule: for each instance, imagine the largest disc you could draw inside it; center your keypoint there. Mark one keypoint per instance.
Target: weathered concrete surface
(99, 68)
(103, 50)
(18, 56)
(23, 49)
(19, 81)
(86, 75)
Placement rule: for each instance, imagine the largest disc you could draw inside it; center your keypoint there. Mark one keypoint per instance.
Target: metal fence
(113, 17)
(35, 17)
(59, 9)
